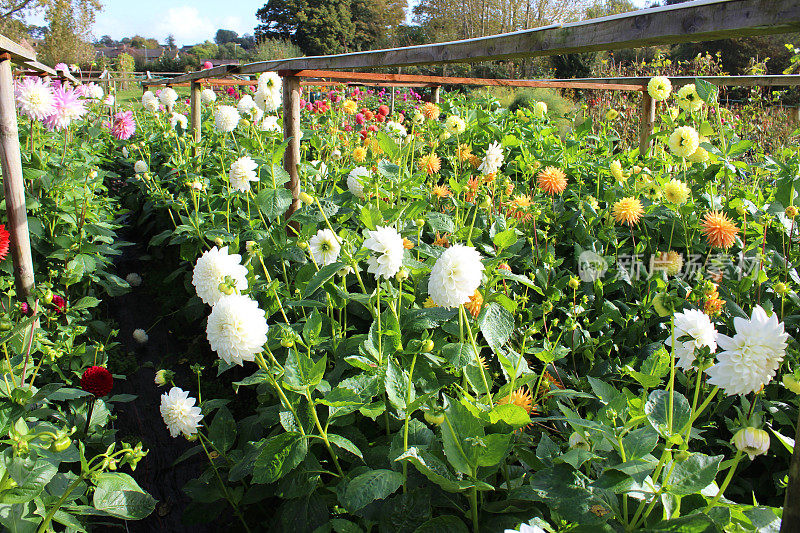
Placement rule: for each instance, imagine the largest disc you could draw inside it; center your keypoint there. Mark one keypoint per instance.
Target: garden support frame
(700, 20)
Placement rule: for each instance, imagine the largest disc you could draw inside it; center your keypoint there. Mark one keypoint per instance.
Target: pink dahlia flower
(123, 126)
(68, 107)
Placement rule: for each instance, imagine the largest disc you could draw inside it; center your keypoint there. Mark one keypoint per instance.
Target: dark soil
(140, 419)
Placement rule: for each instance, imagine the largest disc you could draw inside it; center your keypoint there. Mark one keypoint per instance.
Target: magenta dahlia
(123, 126)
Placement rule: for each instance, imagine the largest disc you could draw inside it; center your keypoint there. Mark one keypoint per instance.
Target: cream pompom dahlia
(237, 329)
(168, 97)
(355, 182)
(226, 118)
(455, 276)
(211, 270)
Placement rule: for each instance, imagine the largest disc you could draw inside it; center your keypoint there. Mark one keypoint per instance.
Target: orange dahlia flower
(552, 180)
(629, 210)
(719, 230)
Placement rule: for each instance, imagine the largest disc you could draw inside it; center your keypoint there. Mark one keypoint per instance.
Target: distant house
(145, 54)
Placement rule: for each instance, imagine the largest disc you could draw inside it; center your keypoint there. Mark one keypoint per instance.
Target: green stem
(728, 478)
(408, 413)
(324, 435)
(222, 485)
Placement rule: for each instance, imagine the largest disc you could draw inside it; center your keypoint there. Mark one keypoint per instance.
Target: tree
(106, 40)
(69, 25)
(171, 42)
(328, 26)
(13, 13)
(604, 8)
(226, 36)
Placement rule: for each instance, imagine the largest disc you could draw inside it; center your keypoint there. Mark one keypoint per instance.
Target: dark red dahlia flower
(5, 238)
(60, 304)
(97, 380)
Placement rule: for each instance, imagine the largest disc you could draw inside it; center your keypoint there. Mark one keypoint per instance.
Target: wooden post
(436, 94)
(195, 101)
(648, 118)
(13, 183)
(292, 93)
(391, 112)
(790, 522)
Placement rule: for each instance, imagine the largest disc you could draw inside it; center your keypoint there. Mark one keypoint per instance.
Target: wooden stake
(648, 118)
(790, 522)
(13, 184)
(292, 93)
(436, 94)
(196, 118)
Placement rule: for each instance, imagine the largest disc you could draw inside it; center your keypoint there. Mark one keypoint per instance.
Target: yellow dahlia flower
(659, 88)
(676, 191)
(684, 141)
(688, 99)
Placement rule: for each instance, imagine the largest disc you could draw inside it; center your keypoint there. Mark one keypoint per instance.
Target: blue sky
(190, 21)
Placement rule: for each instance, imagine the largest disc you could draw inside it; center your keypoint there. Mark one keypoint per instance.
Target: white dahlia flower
(245, 104)
(35, 98)
(526, 528)
(211, 270)
(95, 92)
(750, 358)
(237, 329)
(133, 279)
(150, 104)
(140, 336)
(148, 95)
(388, 247)
(177, 118)
(355, 182)
(168, 97)
(695, 325)
(455, 276)
(140, 167)
(395, 129)
(243, 171)
(208, 96)
(268, 101)
(179, 412)
(324, 247)
(270, 123)
(493, 159)
(226, 118)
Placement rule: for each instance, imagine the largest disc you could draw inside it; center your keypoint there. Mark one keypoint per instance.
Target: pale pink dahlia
(68, 107)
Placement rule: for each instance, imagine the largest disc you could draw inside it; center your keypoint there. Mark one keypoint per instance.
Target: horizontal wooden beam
(449, 80)
(700, 20)
(16, 51)
(38, 68)
(782, 80)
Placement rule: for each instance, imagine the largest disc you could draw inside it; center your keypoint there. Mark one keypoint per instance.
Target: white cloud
(186, 24)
